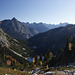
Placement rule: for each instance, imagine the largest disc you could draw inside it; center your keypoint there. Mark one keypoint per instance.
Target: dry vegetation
(4, 71)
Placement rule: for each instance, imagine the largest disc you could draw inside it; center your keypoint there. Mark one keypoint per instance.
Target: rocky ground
(62, 71)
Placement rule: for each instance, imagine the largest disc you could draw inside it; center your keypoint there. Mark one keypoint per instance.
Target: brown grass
(4, 71)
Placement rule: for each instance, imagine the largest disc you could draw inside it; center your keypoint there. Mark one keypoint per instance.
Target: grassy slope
(18, 46)
(4, 71)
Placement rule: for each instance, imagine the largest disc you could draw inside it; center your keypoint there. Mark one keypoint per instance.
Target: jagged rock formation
(3, 39)
(16, 29)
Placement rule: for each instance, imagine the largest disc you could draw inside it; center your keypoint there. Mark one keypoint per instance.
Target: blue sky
(47, 11)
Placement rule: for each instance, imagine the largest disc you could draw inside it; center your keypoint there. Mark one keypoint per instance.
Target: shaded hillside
(53, 39)
(66, 56)
(33, 31)
(14, 45)
(13, 50)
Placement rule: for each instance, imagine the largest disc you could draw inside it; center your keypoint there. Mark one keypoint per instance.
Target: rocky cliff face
(3, 39)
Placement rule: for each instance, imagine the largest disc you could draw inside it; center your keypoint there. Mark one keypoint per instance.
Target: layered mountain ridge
(53, 39)
(23, 31)
(43, 27)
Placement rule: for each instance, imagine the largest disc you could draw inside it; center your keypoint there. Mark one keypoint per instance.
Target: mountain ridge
(53, 39)
(24, 31)
(16, 29)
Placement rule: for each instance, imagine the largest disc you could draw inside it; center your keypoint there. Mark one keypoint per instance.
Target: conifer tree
(36, 59)
(67, 44)
(48, 57)
(61, 51)
(41, 57)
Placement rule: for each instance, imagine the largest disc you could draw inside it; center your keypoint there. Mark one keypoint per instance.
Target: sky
(46, 11)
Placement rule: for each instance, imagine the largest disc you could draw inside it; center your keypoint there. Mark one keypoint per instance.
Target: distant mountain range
(43, 27)
(53, 39)
(23, 31)
(52, 26)
(40, 27)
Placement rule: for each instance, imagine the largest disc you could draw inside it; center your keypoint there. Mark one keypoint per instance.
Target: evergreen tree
(41, 57)
(61, 50)
(45, 57)
(67, 44)
(36, 59)
(48, 57)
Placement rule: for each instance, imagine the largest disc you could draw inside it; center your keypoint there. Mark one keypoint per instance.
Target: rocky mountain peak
(14, 19)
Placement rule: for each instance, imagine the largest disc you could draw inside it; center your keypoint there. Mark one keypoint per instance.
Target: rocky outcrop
(3, 39)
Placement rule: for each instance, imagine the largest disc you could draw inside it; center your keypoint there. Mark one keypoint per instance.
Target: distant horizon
(36, 22)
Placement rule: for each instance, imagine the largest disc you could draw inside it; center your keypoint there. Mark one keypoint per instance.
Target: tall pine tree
(41, 57)
(67, 44)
